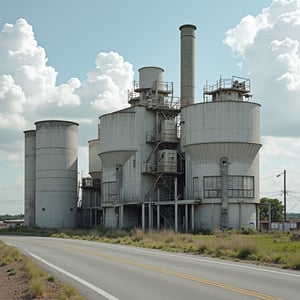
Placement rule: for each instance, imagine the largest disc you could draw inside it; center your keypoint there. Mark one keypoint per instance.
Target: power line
(269, 177)
(294, 205)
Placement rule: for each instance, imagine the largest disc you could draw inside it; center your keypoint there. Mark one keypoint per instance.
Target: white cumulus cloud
(106, 86)
(269, 45)
(29, 92)
(28, 89)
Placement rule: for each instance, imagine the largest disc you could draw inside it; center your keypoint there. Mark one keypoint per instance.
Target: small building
(13, 223)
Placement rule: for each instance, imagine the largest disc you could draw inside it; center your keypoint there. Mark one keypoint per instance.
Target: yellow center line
(154, 268)
(186, 276)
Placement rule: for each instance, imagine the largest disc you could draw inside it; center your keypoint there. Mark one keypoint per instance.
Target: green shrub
(51, 279)
(244, 253)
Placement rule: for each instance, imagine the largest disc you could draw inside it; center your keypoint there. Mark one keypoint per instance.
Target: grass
(8, 255)
(68, 292)
(37, 288)
(276, 248)
(37, 277)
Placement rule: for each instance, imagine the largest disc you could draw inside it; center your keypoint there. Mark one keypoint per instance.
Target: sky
(75, 60)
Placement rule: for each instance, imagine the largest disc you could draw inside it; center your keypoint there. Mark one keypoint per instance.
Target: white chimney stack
(187, 67)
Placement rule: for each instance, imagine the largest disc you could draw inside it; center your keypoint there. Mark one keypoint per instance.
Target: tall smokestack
(187, 68)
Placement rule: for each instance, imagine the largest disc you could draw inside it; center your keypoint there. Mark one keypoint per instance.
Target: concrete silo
(29, 219)
(221, 138)
(90, 211)
(221, 141)
(56, 173)
(118, 145)
(138, 147)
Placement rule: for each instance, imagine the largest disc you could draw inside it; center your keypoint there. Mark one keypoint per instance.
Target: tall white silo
(29, 171)
(118, 145)
(127, 153)
(56, 173)
(221, 138)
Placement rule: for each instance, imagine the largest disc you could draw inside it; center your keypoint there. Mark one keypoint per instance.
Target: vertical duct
(187, 69)
(224, 192)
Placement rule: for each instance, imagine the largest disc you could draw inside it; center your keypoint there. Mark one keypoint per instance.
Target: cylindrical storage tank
(118, 138)
(212, 133)
(148, 75)
(30, 157)
(187, 65)
(219, 122)
(56, 173)
(94, 159)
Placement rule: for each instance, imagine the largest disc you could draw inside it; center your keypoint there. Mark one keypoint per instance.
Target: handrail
(160, 94)
(238, 83)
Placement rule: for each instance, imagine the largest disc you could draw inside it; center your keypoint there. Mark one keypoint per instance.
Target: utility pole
(270, 216)
(284, 193)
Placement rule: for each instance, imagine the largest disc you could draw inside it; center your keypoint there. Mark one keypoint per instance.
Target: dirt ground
(14, 284)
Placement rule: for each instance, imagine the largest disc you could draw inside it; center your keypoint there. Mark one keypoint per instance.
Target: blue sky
(233, 37)
(143, 32)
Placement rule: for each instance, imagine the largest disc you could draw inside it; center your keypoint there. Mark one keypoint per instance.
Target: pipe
(187, 66)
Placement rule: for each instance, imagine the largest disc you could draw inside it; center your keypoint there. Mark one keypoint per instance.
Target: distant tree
(11, 217)
(277, 210)
(293, 216)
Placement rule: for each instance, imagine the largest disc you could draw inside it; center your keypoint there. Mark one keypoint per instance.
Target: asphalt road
(105, 271)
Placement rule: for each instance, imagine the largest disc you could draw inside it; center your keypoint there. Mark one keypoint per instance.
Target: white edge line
(218, 262)
(159, 252)
(89, 285)
(199, 259)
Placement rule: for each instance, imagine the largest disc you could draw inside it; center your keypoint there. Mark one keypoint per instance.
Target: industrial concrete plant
(168, 162)
(163, 162)
(51, 174)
